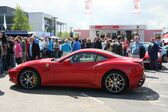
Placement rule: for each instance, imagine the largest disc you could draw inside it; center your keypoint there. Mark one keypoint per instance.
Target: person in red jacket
(125, 46)
(18, 50)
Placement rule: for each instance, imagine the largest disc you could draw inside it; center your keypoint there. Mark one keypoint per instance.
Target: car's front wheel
(115, 82)
(29, 79)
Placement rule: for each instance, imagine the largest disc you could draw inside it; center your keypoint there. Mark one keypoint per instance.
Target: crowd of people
(16, 50)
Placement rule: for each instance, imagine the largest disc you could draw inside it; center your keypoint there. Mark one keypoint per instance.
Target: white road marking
(99, 101)
(158, 103)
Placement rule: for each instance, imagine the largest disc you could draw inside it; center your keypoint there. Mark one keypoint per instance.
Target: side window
(83, 57)
(100, 58)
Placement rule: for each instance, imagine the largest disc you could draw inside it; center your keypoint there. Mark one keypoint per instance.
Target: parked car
(165, 39)
(147, 58)
(88, 68)
(163, 53)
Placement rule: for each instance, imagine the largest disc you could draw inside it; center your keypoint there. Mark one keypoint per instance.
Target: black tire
(160, 65)
(115, 82)
(164, 58)
(29, 79)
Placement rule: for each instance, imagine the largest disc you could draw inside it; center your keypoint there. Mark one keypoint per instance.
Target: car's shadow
(152, 77)
(142, 93)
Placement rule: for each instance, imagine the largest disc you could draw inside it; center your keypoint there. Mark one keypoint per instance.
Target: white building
(42, 22)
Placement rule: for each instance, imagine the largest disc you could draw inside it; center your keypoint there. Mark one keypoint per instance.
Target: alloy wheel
(28, 79)
(115, 83)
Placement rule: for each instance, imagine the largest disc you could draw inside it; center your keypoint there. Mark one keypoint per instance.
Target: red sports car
(88, 68)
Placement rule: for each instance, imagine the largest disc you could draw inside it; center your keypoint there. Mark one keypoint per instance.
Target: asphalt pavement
(151, 97)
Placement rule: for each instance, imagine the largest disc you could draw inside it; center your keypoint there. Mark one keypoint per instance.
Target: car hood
(46, 60)
(37, 61)
(34, 62)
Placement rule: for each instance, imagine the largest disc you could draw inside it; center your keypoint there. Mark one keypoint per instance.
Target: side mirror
(66, 62)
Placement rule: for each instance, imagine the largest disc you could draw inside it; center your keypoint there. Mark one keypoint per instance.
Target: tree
(63, 35)
(21, 21)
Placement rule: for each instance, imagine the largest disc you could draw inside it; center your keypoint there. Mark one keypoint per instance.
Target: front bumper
(13, 76)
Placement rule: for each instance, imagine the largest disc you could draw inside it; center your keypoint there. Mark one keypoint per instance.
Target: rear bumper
(137, 80)
(141, 81)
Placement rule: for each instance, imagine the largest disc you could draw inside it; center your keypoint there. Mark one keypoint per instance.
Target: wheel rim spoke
(111, 87)
(116, 77)
(31, 84)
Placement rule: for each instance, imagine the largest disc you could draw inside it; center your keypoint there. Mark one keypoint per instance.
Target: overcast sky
(107, 12)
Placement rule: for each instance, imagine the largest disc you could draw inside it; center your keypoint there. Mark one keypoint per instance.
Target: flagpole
(91, 12)
(137, 12)
(88, 11)
(5, 25)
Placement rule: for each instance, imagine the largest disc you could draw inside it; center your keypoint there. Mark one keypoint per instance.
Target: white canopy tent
(54, 37)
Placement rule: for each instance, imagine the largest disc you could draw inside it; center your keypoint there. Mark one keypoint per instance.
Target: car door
(81, 69)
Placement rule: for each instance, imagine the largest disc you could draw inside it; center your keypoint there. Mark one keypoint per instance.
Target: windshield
(110, 53)
(99, 50)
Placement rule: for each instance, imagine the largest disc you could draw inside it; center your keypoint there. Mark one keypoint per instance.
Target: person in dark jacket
(4, 53)
(10, 54)
(89, 43)
(50, 49)
(97, 43)
(83, 44)
(153, 50)
(108, 46)
(117, 47)
(167, 55)
(142, 52)
(120, 49)
(34, 49)
(1, 54)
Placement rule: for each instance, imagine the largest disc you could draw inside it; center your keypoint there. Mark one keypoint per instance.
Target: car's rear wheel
(115, 82)
(164, 58)
(160, 65)
(29, 79)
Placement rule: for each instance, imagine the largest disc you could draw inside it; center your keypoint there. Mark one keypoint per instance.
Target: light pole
(71, 33)
(55, 25)
(71, 29)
